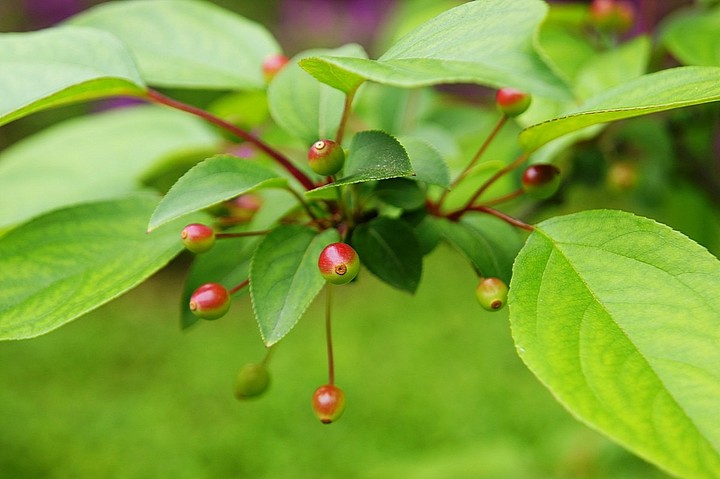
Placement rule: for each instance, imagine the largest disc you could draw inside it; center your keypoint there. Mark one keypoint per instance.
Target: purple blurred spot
(44, 13)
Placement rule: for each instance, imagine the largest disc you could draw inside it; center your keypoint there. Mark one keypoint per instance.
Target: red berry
(273, 64)
(492, 293)
(541, 180)
(326, 157)
(210, 301)
(252, 380)
(512, 102)
(328, 403)
(197, 237)
(339, 263)
(612, 15)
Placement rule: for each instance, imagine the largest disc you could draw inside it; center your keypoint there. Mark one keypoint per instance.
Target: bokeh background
(435, 389)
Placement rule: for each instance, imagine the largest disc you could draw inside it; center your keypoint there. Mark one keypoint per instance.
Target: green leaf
(214, 180)
(68, 262)
(692, 37)
(401, 193)
(427, 162)
(374, 155)
(59, 66)
(488, 42)
(92, 158)
(187, 43)
(390, 250)
(619, 317)
(284, 277)
(489, 243)
(302, 106)
(651, 93)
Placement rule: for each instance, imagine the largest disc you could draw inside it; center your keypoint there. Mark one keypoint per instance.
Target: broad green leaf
(374, 155)
(427, 162)
(58, 66)
(92, 158)
(619, 316)
(489, 243)
(66, 263)
(187, 43)
(302, 106)
(651, 93)
(390, 250)
(402, 193)
(488, 42)
(692, 37)
(563, 38)
(284, 278)
(614, 67)
(214, 180)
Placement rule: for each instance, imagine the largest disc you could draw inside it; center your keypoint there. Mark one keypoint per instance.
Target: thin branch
(508, 219)
(328, 335)
(498, 174)
(158, 97)
(240, 286)
(302, 201)
(349, 97)
(241, 234)
(504, 198)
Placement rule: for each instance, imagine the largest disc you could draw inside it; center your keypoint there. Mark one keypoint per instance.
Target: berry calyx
(541, 180)
(326, 157)
(252, 380)
(198, 237)
(273, 64)
(512, 102)
(492, 293)
(612, 15)
(328, 403)
(339, 263)
(210, 301)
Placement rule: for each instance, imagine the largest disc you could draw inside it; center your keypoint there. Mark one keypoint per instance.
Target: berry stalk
(328, 336)
(158, 97)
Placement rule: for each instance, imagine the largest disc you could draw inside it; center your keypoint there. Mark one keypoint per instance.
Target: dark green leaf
(187, 43)
(488, 243)
(374, 155)
(216, 179)
(284, 277)
(619, 317)
(66, 263)
(488, 42)
(401, 193)
(54, 67)
(92, 158)
(390, 250)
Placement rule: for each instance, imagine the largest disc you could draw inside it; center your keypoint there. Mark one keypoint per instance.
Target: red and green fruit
(512, 102)
(210, 301)
(328, 403)
(492, 293)
(326, 157)
(197, 237)
(541, 180)
(339, 263)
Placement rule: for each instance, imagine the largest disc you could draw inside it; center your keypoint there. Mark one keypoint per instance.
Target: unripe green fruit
(492, 293)
(612, 15)
(328, 403)
(541, 180)
(339, 263)
(210, 301)
(326, 157)
(512, 102)
(252, 380)
(197, 237)
(273, 64)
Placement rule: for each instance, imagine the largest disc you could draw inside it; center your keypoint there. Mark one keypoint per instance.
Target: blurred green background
(435, 390)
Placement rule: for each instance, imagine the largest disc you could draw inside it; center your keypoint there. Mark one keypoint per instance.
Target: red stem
(345, 115)
(498, 174)
(240, 286)
(158, 97)
(503, 216)
(241, 234)
(328, 336)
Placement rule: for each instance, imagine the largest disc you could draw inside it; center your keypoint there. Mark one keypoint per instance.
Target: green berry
(197, 237)
(339, 263)
(512, 102)
(252, 380)
(541, 180)
(210, 301)
(612, 15)
(492, 293)
(326, 157)
(328, 403)
(272, 65)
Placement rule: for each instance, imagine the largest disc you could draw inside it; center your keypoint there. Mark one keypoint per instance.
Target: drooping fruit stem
(490, 181)
(504, 198)
(158, 97)
(328, 335)
(239, 286)
(349, 97)
(507, 218)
